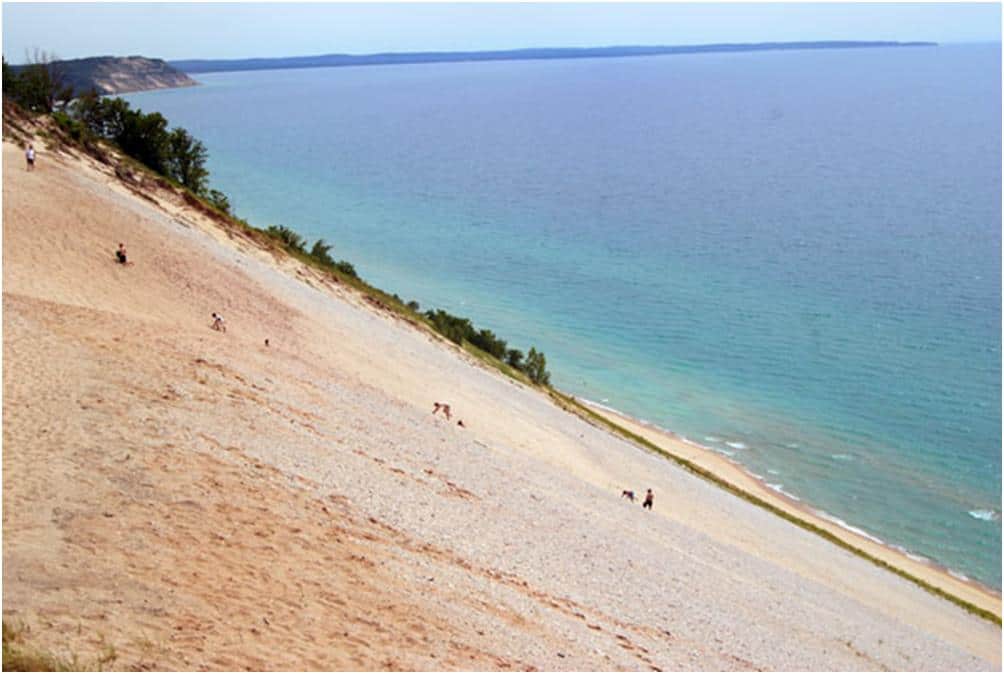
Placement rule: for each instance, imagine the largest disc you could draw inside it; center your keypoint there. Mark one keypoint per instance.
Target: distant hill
(119, 74)
(335, 60)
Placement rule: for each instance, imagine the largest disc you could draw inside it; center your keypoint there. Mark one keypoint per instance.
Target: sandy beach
(199, 500)
(734, 474)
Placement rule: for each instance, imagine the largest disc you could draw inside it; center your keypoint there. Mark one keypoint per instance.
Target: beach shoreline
(219, 501)
(737, 475)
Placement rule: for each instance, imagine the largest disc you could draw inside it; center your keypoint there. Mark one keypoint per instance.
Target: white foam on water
(985, 515)
(956, 574)
(736, 445)
(844, 525)
(587, 401)
(842, 457)
(773, 472)
(711, 438)
(910, 555)
(779, 488)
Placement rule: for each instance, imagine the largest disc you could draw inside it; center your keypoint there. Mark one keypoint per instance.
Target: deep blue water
(792, 258)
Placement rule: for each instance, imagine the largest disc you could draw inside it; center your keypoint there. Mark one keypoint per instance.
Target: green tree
(219, 201)
(346, 268)
(320, 253)
(536, 367)
(515, 358)
(185, 160)
(145, 138)
(41, 85)
(288, 237)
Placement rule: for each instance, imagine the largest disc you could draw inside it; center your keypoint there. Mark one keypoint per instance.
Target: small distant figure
(647, 503)
(121, 257)
(460, 422)
(29, 155)
(218, 323)
(266, 341)
(436, 407)
(628, 494)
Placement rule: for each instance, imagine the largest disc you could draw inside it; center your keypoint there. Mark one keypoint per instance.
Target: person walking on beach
(29, 155)
(647, 503)
(218, 322)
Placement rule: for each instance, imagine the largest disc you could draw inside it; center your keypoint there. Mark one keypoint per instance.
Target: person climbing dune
(122, 257)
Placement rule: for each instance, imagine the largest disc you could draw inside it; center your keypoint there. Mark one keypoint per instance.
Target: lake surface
(793, 258)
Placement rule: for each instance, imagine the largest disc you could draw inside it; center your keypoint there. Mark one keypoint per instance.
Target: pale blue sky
(175, 31)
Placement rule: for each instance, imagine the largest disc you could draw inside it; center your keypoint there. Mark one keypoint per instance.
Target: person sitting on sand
(120, 255)
(628, 494)
(647, 503)
(218, 322)
(29, 156)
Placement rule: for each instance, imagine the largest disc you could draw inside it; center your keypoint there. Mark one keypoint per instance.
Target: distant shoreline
(532, 54)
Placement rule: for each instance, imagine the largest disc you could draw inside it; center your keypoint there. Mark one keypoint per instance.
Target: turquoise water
(792, 258)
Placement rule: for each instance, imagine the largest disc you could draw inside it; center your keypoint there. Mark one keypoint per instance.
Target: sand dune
(201, 501)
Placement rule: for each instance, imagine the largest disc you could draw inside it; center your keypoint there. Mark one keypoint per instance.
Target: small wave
(779, 488)
(711, 438)
(725, 452)
(773, 472)
(736, 445)
(910, 555)
(792, 445)
(587, 401)
(956, 574)
(844, 525)
(841, 457)
(985, 515)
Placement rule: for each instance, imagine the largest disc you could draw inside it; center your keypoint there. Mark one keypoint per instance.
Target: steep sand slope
(202, 501)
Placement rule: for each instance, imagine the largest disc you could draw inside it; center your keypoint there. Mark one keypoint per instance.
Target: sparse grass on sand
(20, 656)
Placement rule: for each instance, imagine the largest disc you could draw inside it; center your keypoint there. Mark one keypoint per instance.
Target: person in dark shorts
(29, 155)
(647, 503)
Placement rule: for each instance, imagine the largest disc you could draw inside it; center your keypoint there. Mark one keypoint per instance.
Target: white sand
(202, 501)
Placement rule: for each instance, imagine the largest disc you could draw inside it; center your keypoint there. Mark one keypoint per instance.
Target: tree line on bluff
(178, 156)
